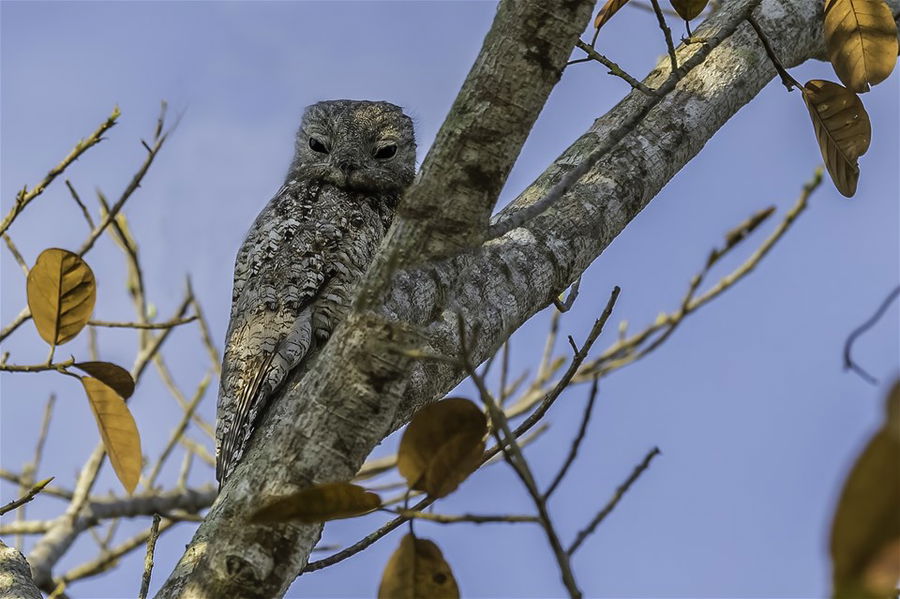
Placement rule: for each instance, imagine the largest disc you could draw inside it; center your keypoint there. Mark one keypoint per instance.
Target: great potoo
(295, 273)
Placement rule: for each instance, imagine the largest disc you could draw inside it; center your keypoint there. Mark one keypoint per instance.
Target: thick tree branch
(15, 576)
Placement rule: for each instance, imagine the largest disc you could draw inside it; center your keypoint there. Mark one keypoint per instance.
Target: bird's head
(359, 145)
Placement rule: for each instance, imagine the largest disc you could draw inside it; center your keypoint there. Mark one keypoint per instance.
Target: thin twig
(565, 306)
(469, 518)
(613, 502)
(77, 198)
(576, 443)
(504, 373)
(178, 431)
(50, 490)
(133, 185)
(573, 368)
(25, 196)
(15, 252)
(670, 46)
(148, 558)
(143, 325)
(614, 69)
(849, 363)
(57, 366)
(25, 498)
(21, 317)
(206, 336)
(786, 79)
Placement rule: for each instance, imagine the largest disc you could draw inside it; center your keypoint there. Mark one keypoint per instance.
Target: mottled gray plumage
(295, 274)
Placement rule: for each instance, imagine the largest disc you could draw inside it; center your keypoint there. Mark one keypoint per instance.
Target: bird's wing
(278, 274)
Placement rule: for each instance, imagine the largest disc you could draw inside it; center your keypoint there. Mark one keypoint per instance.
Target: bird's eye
(317, 146)
(385, 152)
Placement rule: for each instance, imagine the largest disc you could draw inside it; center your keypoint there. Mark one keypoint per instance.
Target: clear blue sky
(748, 402)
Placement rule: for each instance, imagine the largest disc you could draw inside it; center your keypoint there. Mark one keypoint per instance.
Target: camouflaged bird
(295, 274)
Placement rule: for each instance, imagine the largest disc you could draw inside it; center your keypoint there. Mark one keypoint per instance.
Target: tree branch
(15, 575)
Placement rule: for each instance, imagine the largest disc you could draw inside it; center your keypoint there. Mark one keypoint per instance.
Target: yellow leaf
(110, 375)
(861, 41)
(689, 9)
(417, 570)
(442, 446)
(609, 9)
(117, 429)
(61, 294)
(865, 534)
(842, 128)
(327, 501)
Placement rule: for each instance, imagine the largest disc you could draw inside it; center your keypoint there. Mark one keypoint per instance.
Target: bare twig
(25, 196)
(614, 69)
(786, 79)
(25, 498)
(133, 185)
(208, 342)
(565, 306)
(572, 370)
(15, 252)
(469, 518)
(143, 325)
(620, 492)
(51, 490)
(849, 363)
(667, 33)
(81, 206)
(148, 558)
(576, 443)
(179, 429)
(57, 366)
(21, 317)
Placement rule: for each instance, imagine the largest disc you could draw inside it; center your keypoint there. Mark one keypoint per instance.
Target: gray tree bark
(436, 263)
(15, 576)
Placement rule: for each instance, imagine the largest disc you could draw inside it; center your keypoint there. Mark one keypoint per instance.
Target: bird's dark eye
(317, 146)
(385, 152)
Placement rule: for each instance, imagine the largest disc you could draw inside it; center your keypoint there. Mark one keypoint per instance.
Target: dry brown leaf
(328, 501)
(861, 41)
(442, 446)
(865, 534)
(689, 9)
(417, 570)
(842, 128)
(117, 429)
(111, 375)
(61, 294)
(609, 9)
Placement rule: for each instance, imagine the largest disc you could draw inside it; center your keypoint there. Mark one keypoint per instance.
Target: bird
(296, 271)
